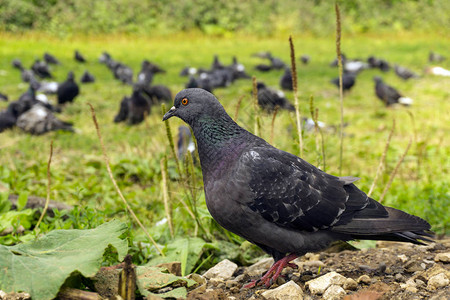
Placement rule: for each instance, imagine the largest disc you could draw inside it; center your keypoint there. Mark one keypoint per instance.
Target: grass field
(79, 175)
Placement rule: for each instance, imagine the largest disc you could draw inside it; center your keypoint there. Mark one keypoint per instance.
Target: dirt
(393, 271)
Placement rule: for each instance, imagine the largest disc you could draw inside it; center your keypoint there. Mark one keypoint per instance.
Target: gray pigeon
(277, 200)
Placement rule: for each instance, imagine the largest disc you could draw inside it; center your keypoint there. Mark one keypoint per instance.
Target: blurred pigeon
(87, 77)
(263, 67)
(185, 143)
(355, 66)
(3, 97)
(41, 69)
(133, 109)
(388, 94)
(277, 200)
(348, 81)
(216, 64)
(335, 62)
(435, 57)
(203, 82)
(276, 63)
(404, 73)
(79, 57)
(238, 70)
(50, 59)
(286, 80)
(26, 75)
(48, 87)
(123, 73)
(7, 119)
(123, 110)
(188, 71)
(305, 59)
(262, 54)
(68, 90)
(269, 99)
(158, 93)
(377, 63)
(39, 120)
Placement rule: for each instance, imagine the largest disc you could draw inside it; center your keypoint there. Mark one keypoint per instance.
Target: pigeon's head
(191, 104)
(70, 76)
(377, 79)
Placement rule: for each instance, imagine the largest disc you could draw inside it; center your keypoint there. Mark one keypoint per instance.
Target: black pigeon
(377, 63)
(435, 57)
(3, 97)
(389, 95)
(78, 57)
(277, 200)
(263, 67)
(123, 72)
(269, 99)
(50, 59)
(286, 80)
(41, 69)
(133, 109)
(158, 93)
(68, 90)
(238, 70)
(348, 81)
(26, 75)
(335, 62)
(203, 82)
(186, 71)
(305, 59)
(185, 143)
(7, 119)
(262, 54)
(39, 120)
(216, 64)
(87, 77)
(276, 63)
(404, 73)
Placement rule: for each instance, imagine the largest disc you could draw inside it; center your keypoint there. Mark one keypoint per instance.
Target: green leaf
(150, 279)
(185, 250)
(5, 204)
(22, 200)
(12, 218)
(41, 267)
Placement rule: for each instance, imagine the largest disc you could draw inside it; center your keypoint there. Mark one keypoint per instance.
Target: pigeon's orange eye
(184, 101)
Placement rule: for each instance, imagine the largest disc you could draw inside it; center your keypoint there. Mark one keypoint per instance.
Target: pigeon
(68, 90)
(158, 93)
(39, 120)
(263, 68)
(48, 87)
(203, 81)
(348, 81)
(188, 71)
(355, 66)
(78, 57)
(376, 63)
(388, 95)
(262, 54)
(41, 69)
(305, 59)
(238, 70)
(3, 97)
(50, 59)
(404, 73)
(26, 75)
(133, 109)
(269, 99)
(216, 65)
(7, 119)
(439, 71)
(185, 143)
(335, 62)
(435, 57)
(87, 77)
(276, 63)
(276, 200)
(123, 73)
(286, 80)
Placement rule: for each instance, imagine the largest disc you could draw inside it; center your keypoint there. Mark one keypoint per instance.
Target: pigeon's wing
(391, 93)
(292, 193)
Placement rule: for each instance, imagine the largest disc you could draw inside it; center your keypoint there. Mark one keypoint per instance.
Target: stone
(197, 278)
(443, 257)
(287, 291)
(364, 279)
(413, 266)
(320, 284)
(437, 281)
(403, 258)
(334, 292)
(260, 267)
(223, 270)
(173, 267)
(350, 284)
(436, 269)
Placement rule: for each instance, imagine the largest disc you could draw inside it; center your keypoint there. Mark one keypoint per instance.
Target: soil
(394, 270)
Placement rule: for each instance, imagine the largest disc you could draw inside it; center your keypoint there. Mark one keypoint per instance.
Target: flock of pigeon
(35, 114)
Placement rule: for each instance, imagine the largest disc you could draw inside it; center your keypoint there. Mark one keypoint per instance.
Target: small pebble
(364, 279)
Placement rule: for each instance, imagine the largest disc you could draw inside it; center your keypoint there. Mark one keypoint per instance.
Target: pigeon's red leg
(275, 269)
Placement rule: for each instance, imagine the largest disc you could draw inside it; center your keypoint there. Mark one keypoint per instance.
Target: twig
(315, 117)
(165, 189)
(108, 167)
(341, 91)
(383, 157)
(394, 172)
(238, 105)
(296, 104)
(273, 123)
(172, 145)
(49, 181)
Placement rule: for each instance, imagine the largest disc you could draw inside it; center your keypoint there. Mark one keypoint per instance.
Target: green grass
(79, 175)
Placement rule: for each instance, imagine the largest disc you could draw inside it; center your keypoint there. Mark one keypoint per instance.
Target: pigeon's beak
(170, 113)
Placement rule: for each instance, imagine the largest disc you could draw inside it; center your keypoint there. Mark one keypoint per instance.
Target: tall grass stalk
(108, 167)
(320, 149)
(165, 192)
(382, 159)
(341, 91)
(256, 106)
(238, 106)
(170, 139)
(296, 104)
(394, 172)
(49, 181)
(273, 123)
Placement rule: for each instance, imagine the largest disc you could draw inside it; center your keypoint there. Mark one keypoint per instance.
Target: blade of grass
(119, 192)
(296, 104)
(341, 91)
(165, 190)
(273, 123)
(238, 106)
(255, 106)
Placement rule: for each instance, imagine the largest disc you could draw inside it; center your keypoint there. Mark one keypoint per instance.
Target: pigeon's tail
(405, 101)
(396, 226)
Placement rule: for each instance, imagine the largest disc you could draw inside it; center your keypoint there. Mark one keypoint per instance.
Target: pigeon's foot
(274, 272)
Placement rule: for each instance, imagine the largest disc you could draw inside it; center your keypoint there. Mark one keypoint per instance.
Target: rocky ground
(389, 271)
